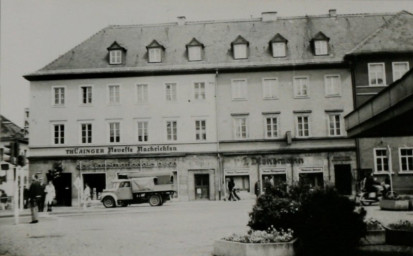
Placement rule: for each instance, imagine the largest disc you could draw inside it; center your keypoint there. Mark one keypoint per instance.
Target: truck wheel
(109, 202)
(155, 200)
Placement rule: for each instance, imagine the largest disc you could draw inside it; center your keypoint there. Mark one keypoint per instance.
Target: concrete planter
(395, 205)
(399, 237)
(229, 248)
(374, 237)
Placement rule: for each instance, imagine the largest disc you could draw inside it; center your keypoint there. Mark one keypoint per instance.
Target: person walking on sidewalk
(231, 186)
(35, 195)
(40, 206)
(50, 195)
(86, 196)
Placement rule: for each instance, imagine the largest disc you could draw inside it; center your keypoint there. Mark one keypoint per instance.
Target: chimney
(269, 16)
(332, 12)
(181, 20)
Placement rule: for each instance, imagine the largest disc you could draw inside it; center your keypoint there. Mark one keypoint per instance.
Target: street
(177, 228)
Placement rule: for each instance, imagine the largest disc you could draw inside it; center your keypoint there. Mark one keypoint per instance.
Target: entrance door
(201, 186)
(63, 187)
(96, 182)
(343, 178)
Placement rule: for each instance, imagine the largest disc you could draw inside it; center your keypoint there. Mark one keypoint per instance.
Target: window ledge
(275, 98)
(239, 99)
(301, 97)
(333, 96)
(58, 106)
(371, 86)
(382, 173)
(405, 172)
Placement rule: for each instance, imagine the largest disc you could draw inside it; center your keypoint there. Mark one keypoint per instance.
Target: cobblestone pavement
(177, 228)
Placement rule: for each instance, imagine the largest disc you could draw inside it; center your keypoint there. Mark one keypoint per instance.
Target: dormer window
(278, 46)
(116, 53)
(240, 48)
(194, 49)
(155, 52)
(320, 44)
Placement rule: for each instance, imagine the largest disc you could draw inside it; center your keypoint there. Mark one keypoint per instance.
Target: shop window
(312, 177)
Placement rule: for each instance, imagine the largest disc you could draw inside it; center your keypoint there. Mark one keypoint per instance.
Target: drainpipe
(220, 159)
(329, 166)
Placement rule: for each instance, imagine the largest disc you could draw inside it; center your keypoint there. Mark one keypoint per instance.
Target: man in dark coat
(35, 195)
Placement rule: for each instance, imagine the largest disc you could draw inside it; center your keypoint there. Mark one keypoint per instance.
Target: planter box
(229, 248)
(374, 237)
(399, 237)
(395, 205)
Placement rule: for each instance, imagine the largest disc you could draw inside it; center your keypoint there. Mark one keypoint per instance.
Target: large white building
(204, 101)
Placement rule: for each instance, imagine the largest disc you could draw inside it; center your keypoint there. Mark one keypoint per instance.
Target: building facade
(204, 101)
(380, 60)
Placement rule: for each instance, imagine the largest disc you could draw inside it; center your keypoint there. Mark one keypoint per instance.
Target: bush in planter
(271, 210)
(329, 225)
(373, 224)
(400, 233)
(402, 225)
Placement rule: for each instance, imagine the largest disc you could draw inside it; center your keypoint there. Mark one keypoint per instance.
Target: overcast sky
(35, 32)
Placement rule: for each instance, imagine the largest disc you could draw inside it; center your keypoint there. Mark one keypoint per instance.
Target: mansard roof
(395, 35)
(345, 32)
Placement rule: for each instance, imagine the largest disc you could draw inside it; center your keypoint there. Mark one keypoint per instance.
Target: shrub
(271, 235)
(329, 225)
(402, 225)
(271, 210)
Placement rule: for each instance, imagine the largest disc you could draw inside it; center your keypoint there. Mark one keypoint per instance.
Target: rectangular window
(142, 131)
(240, 127)
(239, 89)
(59, 134)
(86, 94)
(279, 49)
(115, 57)
(332, 85)
(155, 55)
(321, 47)
(170, 91)
(142, 93)
(334, 125)
(114, 94)
(269, 88)
(171, 130)
(86, 133)
(114, 132)
(59, 95)
(199, 91)
(200, 130)
(399, 69)
(301, 86)
(240, 51)
(303, 126)
(377, 76)
(381, 160)
(406, 159)
(194, 53)
(271, 127)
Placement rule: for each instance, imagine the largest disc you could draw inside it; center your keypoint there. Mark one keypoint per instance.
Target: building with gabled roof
(204, 101)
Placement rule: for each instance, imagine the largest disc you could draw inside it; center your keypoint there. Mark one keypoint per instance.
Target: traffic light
(9, 153)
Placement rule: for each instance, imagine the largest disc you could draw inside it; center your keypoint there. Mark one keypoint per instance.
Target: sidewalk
(94, 205)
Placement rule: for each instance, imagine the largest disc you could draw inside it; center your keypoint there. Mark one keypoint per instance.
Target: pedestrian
(257, 188)
(86, 196)
(25, 197)
(50, 195)
(35, 195)
(43, 195)
(3, 199)
(231, 186)
(267, 184)
(234, 192)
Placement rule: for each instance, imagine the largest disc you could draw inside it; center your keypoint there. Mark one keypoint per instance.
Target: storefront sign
(236, 171)
(276, 161)
(133, 164)
(120, 150)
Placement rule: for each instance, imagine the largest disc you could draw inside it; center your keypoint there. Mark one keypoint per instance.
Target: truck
(155, 190)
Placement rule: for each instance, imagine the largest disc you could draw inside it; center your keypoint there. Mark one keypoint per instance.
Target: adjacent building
(381, 59)
(203, 101)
